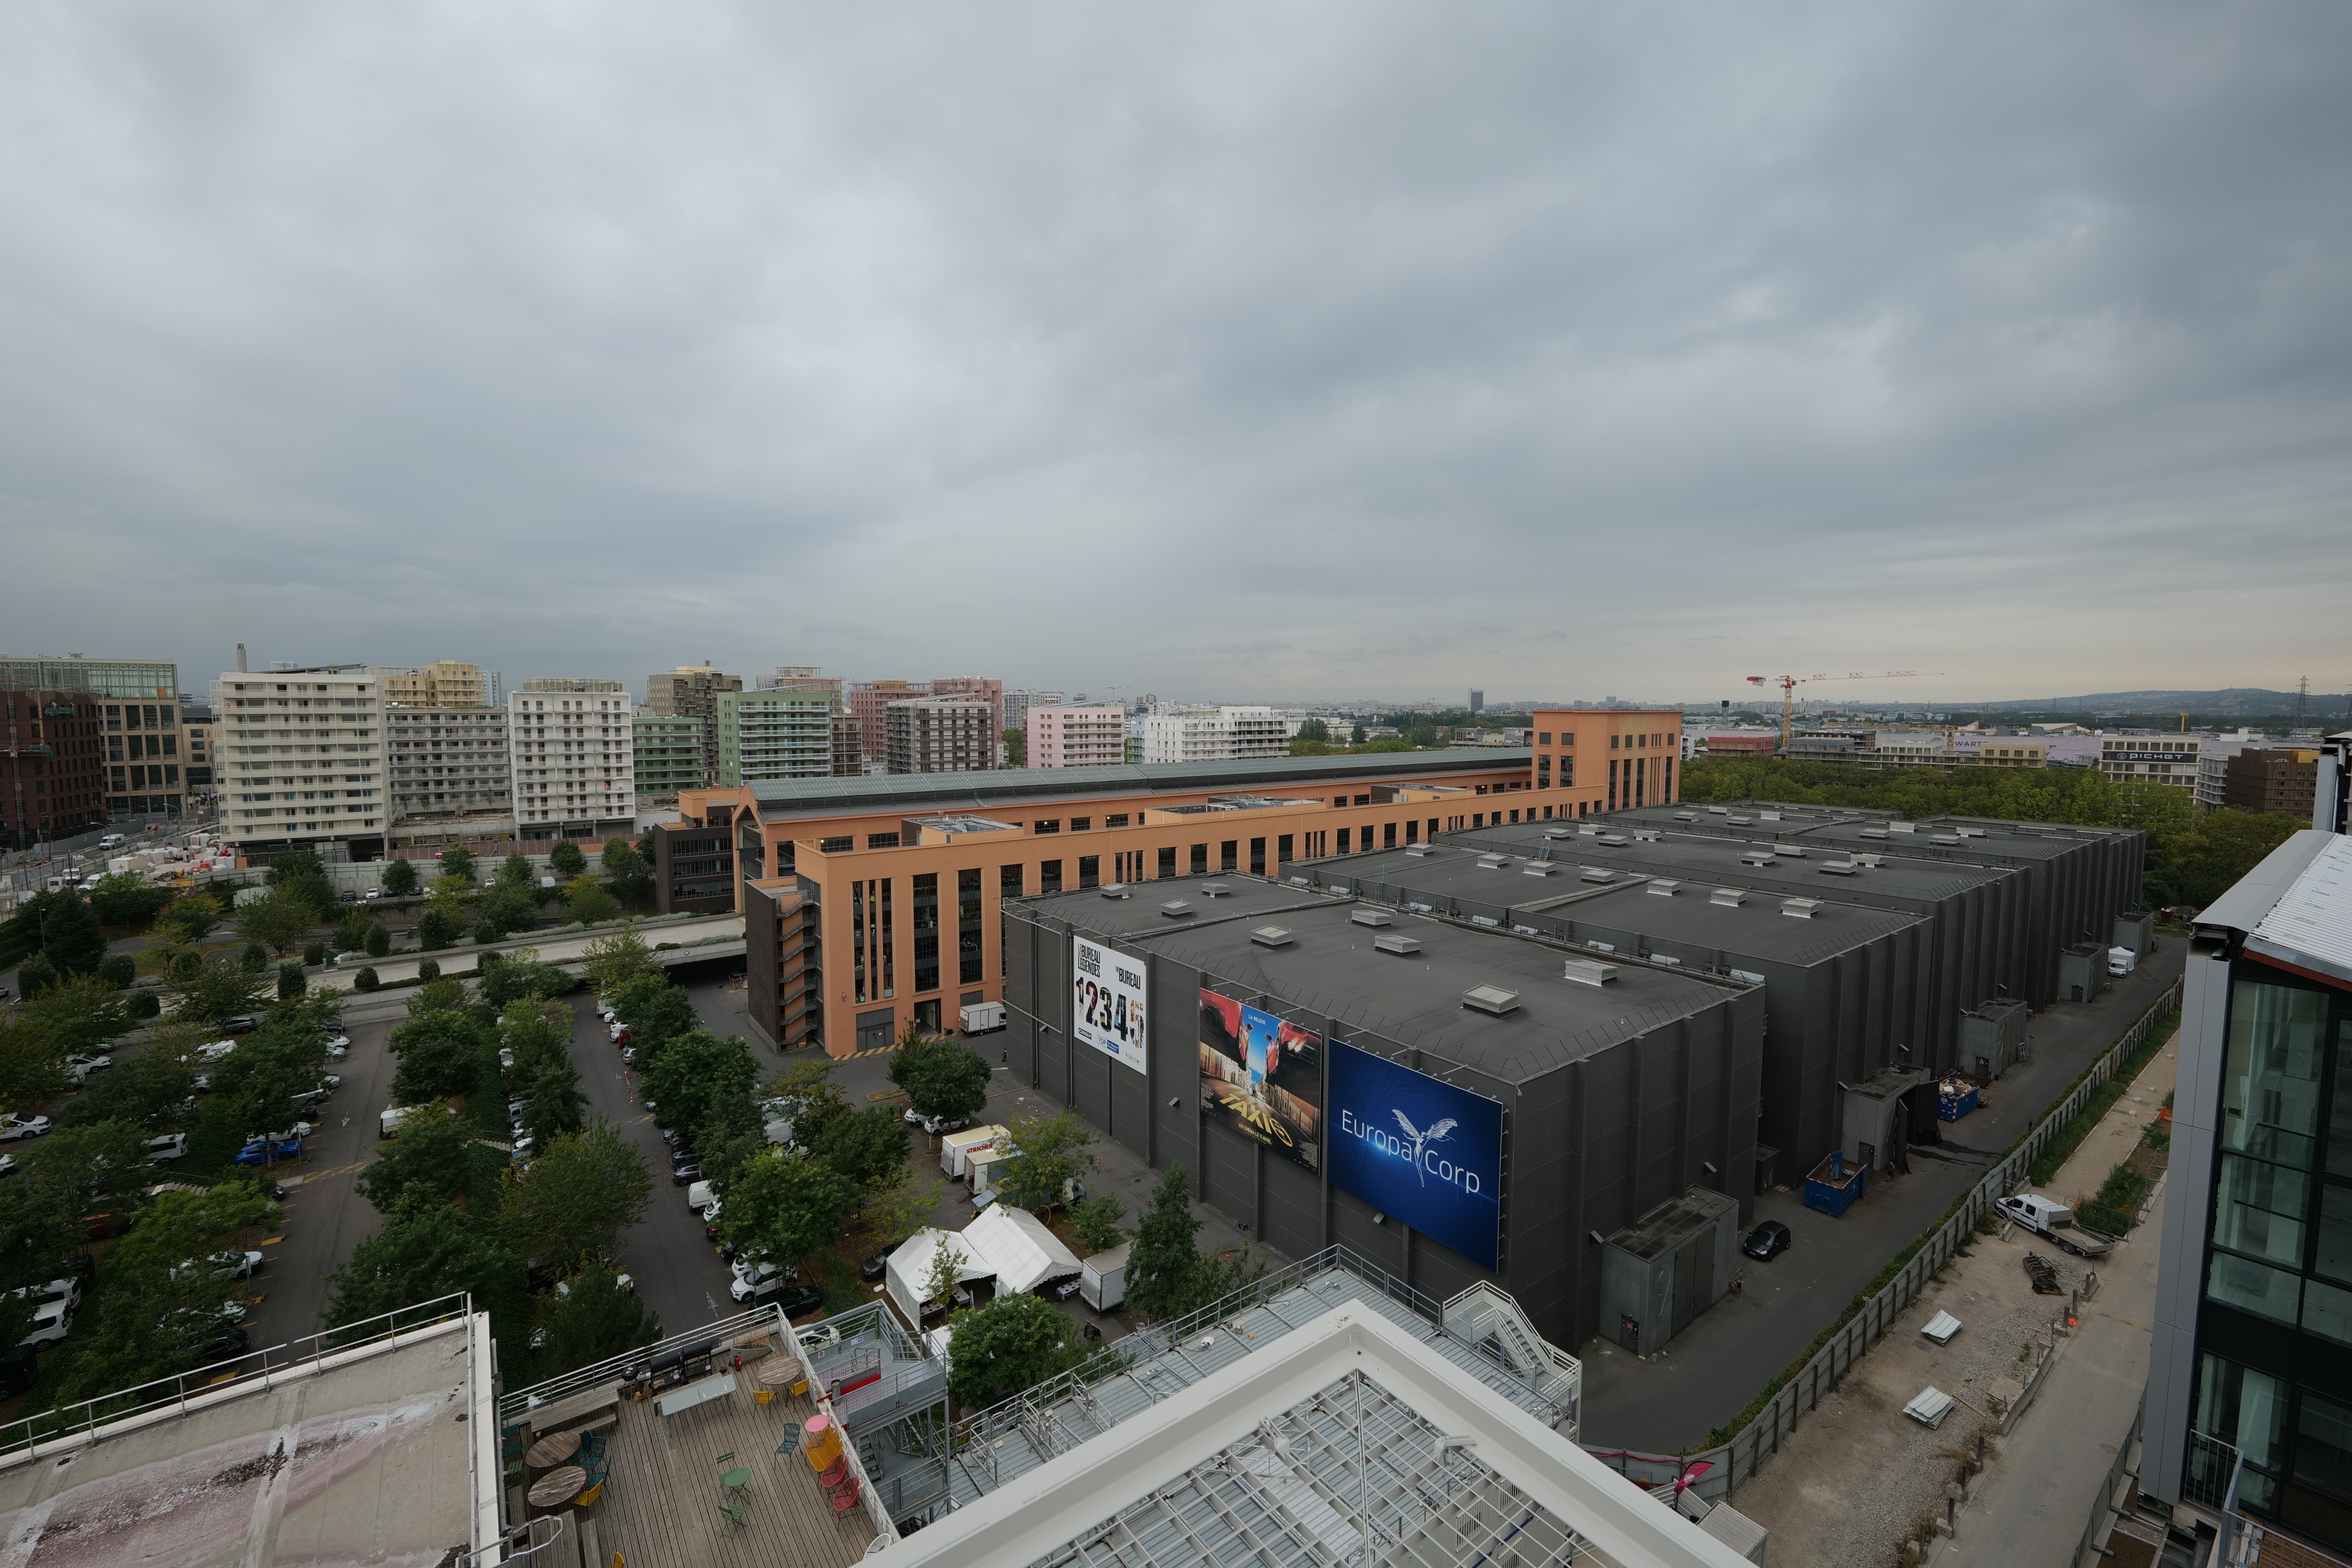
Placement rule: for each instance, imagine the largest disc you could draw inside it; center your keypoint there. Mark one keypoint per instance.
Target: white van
(700, 1196)
(109, 841)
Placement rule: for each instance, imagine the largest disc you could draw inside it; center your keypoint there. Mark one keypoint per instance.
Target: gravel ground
(1857, 1475)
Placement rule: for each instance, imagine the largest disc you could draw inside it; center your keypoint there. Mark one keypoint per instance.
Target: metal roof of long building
(1331, 965)
(871, 793)
(2297, 906)
(1675, 852)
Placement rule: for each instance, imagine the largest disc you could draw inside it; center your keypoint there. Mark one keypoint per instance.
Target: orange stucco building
(871, 904)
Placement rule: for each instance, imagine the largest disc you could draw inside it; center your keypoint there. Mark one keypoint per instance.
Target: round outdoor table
(735, 1479)
(558, 1487)
(553, 1449)
(778, 1371)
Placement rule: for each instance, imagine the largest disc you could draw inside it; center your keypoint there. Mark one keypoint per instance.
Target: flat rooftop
(1716, 860)
(1991, 840)
(1627, 902)
(362, 1460)
(1331, 965)
(784, 799)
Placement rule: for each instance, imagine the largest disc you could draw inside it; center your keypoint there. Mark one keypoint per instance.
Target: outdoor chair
(735, 1512)
(847, 1498)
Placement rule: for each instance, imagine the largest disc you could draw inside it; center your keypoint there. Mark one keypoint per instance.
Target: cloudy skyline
(1234, 352)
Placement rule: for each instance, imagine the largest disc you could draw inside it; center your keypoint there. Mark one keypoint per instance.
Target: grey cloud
(1239, 350)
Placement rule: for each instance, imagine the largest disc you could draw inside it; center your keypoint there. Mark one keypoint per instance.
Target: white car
(50, 1324)
(338, 1042)
(82, 1067)
(223, 1265)
(67, 1290)
(765, 1280)
(13, 1127)
(214, 1051)
(299, 1129)
(563, 1287)
(162, 1151)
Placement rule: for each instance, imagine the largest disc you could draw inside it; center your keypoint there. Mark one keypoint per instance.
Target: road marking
(269, 1240)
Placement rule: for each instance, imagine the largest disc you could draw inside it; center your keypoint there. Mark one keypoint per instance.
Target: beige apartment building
(299, 762)
(444, 683)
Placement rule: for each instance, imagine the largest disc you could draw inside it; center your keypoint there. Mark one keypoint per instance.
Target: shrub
(315, 954)
(291, 980)
(256, 958)
(378, 943)
(145, 1004)
(118, 970)
(365, 980)
(428, 970)
(565, 860)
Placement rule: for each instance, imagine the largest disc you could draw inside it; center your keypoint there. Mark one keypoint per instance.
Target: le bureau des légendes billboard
(1110, 1005)
(1423, 1153)
(1262, 1076)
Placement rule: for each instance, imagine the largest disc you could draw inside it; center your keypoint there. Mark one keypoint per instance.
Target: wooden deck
(660, 1505)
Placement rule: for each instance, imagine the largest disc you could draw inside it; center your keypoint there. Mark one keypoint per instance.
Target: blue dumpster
(1834, 1185)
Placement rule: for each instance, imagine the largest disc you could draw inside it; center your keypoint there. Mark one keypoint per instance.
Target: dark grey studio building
(1846, 987)
(1612, 1088)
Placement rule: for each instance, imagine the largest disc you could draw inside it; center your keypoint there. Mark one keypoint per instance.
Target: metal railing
(1732, 1463)
(514, 1407)
(259, 1369)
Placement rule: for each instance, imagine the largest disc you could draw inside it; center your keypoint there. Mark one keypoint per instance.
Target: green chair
(735, 1512)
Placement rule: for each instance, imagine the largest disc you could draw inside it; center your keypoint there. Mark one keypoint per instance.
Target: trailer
(1102, 1278)
(1834, 1185)
(2045, 1217)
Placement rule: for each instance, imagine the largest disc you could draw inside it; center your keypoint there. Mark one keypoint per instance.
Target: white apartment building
(1017, 705)
(1090, 737)
(573, 754)
(2151, 759)
(1214, 734)
(446, 761)
(298, 762)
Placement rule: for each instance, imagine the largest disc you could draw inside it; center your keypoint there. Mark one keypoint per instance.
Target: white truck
(2047, 1217)
(2121, 960)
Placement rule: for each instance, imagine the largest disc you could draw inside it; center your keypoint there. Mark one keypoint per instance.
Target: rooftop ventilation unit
(1396, 942)
(1950, 840)
(1537, 868)
(1769, 815)
(1801, 907)
(1730, 897)
(1836, 867)
(1901, 827)
(1491, 999)
(1420, 851)
(1665, 887)
(1300, 882)
(1587, 972)
(1419, 908)
(1559, 833)
(1116, 890)
(1272, 936)
(1484, 920)
(1686, 816)
(1587, 829)
(1871, 861)
(1756, 856)
(1598, 946)
(1176, 908)
(1493, 862)
(1874, 833)
(1969, 832)
(1741, 821)
(1528, 930)
(1795, 851)
(1614, 840)
(1366, 916)
(1599, 874)
(1215, 890)
(1645, 836)
(1718, 811)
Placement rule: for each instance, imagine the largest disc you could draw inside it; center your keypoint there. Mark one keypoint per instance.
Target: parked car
(7, 1165)
(214, 1051)
(563, 1287)
(51, 1324)
(1767, 1239)
(686, 1174)
(243, 1023)
(761, 1279)
(81, 1067)
(873, 1268)
(264, 1151)
(229, 1345)
(162, 1151)
(18, 1366)
(221, 1265)
(935, 1125)
(66, 1288)
(13, 1127)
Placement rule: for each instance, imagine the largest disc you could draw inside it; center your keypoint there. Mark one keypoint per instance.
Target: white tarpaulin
(908, 1269)
(1014, 1245)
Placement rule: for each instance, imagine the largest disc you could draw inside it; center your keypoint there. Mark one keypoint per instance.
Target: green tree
(427, 971)
(458, 863)
(785, 1206)
(1161, 1264)
(365, 980)
(35, 974)
(255, 958)
(869, 1146)
(78, 1011)
(437, 995)
(657, 1013)
(191, 918)
(257, 1082)
(435, 929)
(595, 1319)
(315, 954)
(32, 1064)
(557, 1106)
(180, 1227)
(1049, 1154)
(941, 1077)
(437, 1063)
(1313, 729)
(503, 911)
(626, 873)
(946, 1272)
(695, 1074)
(147, 1090)
(219, 989)
(280, 920)
(145, 1004)
(587, 902)
(1012, 1343)
(572, 1206)
(809, 1099)
(1095, 1219)
(1356, 735)
(70, 938)
(82, 1168)
(565, 859)
(399, 878)
(301, 874)
(121, 899)
(377, 942)
(418, 1256)
(118, 970)
(424, 1166)
(292, 980)
(614, 961)
(36, 1231)
(514, 871)
(891, 1214)
(1302, 747)
(1016, 748)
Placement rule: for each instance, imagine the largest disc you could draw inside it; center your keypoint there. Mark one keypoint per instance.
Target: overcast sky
(1241, 351)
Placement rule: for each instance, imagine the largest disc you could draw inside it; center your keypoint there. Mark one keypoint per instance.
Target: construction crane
(1789, 684)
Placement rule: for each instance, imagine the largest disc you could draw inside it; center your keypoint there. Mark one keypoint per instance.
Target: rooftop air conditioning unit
(1947, 839)
(1769, 815)
(1484, 920)
(1491, 999)
(1299, 882)
(1756, 856)
(1396, 942)
(1599, 946)
(1801, 907)
(1614, 840)
(1489, 862)
(1420, 851)
(1559, 833)
(1272, 936)
(1176, 908)
(1969, 832)
(1739, 821)
(1419, 908)
(1901, 827)
(1664, 886)
(1874, 833)
(1599, 874)
(1718, 811)
(1795, 851)
(1537, 868)
(1730, 897)
(1528, 930)
(1686, 816)
(1587, 972)
(1215, 890)
(1871, 862)
(1336, 888)
(1116, 890)
(1363, 915)
(1836, 867)
(1645, 836)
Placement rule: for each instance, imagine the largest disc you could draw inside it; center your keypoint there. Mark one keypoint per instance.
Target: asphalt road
(1708, 1372)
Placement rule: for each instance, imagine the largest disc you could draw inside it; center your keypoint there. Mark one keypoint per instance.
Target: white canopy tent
(1015, 1247)
(908, 1269)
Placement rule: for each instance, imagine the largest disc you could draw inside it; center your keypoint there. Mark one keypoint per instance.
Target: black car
(227, 1345)
(798, 1300)
(682, 1155)
(243, 1023)
(1766, 1239)
(17, 1365)
(873, 1268)
(685, 1175)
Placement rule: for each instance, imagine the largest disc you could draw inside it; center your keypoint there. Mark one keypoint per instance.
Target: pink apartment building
(1076, 737)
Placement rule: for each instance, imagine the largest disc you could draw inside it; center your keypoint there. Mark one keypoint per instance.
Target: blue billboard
(1425, 1154)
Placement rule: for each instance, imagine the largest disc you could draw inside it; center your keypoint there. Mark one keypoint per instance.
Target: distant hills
(2247, 700)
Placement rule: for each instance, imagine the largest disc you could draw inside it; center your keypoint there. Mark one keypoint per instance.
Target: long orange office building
(871, 904)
